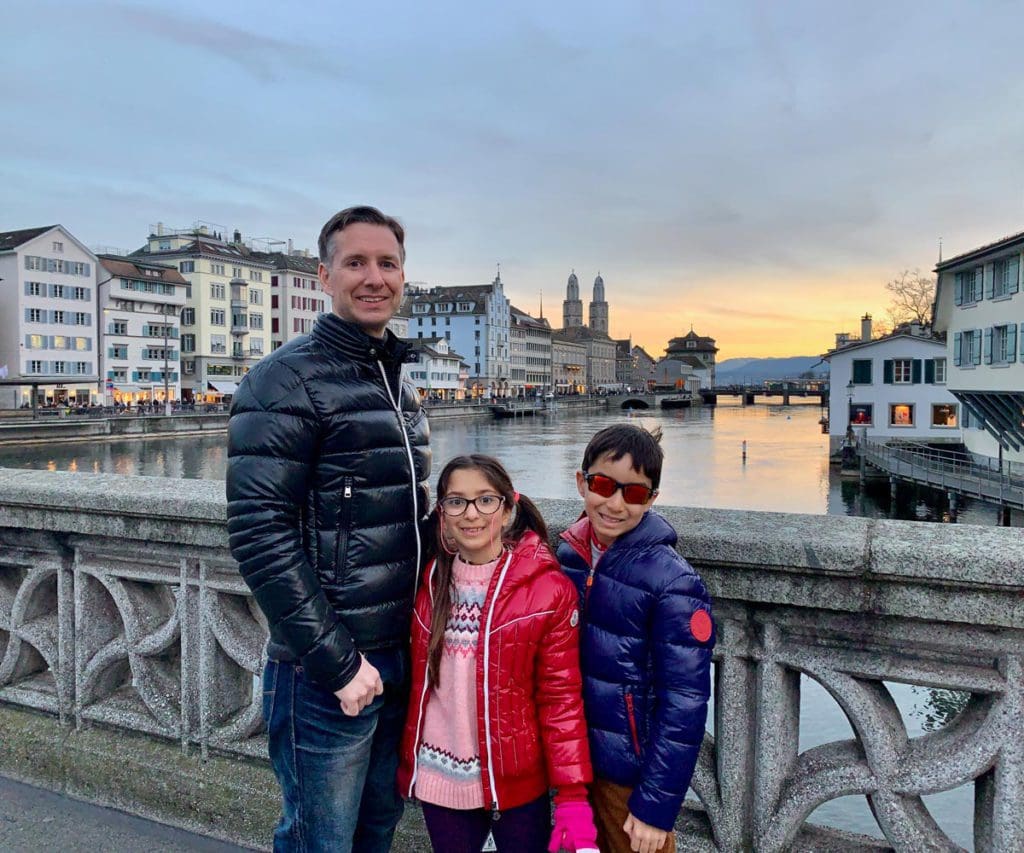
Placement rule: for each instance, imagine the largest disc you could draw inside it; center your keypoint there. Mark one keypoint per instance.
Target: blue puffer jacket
(645, 652)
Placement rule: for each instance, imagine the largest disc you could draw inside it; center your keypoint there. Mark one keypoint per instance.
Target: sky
(755, 170)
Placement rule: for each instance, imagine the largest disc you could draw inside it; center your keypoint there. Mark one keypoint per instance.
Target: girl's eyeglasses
(632, 493)
(485, 504)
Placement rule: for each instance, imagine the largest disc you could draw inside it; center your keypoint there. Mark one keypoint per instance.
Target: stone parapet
(121, 610)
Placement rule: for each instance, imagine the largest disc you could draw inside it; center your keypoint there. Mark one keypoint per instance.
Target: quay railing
(949, 470)
(121, 608)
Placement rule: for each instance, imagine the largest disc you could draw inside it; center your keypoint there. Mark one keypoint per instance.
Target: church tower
(599, 308)
(572, 307)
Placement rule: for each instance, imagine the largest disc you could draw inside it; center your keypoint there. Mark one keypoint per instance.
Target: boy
(645, 643)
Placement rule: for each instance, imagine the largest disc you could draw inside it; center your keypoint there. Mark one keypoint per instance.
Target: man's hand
(364, 687)
(643, 838)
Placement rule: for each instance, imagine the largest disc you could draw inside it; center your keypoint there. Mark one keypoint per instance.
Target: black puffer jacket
(328, 460)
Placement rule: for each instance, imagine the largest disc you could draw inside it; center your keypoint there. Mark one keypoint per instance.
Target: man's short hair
(350, 216)
(616, 441)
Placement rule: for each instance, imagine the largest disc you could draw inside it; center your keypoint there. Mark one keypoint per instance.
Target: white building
(295, 295)
(48, 317)
(225, 324)
(531, 354)
(978, 304)
(140, 330)
(476, 321)
(437, 373)
(568, 365)
(892, 387)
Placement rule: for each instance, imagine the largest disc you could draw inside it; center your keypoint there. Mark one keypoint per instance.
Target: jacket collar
(653, 529)
(349, 338)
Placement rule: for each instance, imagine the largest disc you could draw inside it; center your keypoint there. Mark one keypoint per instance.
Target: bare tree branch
(912, 296)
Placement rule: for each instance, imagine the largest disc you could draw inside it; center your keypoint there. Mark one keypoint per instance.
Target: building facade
(531, 354)
(476, 321)
(225, 323)
(568, 365)
(437, 375)
(140, 307)
(980, 308)
(698, 351)
(48, 317)
(895, 386)
(295, 295)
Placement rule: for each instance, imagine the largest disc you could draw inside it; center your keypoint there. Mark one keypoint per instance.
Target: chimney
(238, 237)
(865, 327)
(290, 253)
(159, 229)
(842, 339)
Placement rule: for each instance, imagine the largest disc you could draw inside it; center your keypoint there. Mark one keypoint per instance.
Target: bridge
(951, 471)
(130, 655)
(750, 393)
(659, 400)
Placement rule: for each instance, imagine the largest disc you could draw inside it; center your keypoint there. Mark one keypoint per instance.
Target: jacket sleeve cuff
(661, 814)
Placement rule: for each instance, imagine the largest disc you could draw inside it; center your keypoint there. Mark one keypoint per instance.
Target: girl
(495, 716)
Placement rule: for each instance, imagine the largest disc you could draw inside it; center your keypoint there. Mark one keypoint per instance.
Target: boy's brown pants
(610, 804)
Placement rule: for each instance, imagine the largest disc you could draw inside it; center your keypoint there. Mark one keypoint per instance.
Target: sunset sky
(758, 170)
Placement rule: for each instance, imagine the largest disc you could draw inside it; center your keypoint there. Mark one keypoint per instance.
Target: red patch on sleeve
(700, 626)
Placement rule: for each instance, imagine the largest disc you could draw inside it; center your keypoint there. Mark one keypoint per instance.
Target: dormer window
(421, 308)
(465, 306)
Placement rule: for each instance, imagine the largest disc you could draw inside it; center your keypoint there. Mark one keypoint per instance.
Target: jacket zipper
(412, 471)
(631, 714)
(487, 686)
(423, 694)
(343, 525)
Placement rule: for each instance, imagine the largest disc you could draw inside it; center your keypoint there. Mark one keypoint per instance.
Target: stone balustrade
(120, 605)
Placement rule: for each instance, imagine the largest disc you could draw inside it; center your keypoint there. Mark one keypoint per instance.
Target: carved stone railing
(120, 605)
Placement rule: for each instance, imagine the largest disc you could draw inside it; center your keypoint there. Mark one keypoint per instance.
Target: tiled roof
(10, 240)
(981, 250)
(931, 337)
(121, 266)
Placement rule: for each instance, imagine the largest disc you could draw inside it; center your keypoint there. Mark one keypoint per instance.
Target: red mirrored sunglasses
(632, 493)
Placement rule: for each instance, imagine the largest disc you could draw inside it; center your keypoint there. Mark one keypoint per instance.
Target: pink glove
(574, 828)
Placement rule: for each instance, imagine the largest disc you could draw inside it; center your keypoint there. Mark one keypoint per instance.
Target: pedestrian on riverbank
(495, 718)
(326, 486)
(646, 636)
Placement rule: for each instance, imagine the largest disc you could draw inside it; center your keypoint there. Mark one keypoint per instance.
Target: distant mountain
(734, 371)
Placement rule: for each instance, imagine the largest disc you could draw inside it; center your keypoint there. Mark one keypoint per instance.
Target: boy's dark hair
(642, 445)
(350, 216)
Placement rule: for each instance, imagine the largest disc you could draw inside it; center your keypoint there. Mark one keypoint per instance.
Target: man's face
(366, 277)
(612, 517)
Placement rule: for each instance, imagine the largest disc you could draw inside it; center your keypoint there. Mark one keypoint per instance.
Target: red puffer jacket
(530, 724)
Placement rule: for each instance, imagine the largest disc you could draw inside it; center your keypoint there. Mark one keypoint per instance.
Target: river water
(786, 469)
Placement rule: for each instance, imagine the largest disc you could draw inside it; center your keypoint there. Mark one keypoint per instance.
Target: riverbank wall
(130, 655)
(54, 430)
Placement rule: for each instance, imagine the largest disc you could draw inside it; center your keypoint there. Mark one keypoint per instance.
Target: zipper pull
(348, 488)
(495, 814)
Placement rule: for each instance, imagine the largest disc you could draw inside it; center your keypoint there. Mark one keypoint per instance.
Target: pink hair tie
(515, 497)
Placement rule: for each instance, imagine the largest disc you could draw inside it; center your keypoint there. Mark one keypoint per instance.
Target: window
(1005, 277)
(255, 297)
(967, 348)
(255, 321)
(82, 319)
(188, 316)
(35, 342)
(255, 275)
(239, 321)
(217, 269)
(188, 366)
(187, 266)
(60, 367)
(81, 367)
(164, 245)
(218, 344)
(33, 288)
(35, 315)
(35, 367)
(57, 291)
(217, 316)
(420, 308)
(80, 293)
(83, 344)
(60, 342)
(236, 272)
(57, 317)
(901, 371)
(862, 371)
(188, 343)
(256, 347)
(861, 414)
(944, 415)
(58, 246)
(901, 414)
(1001, 344)
(118, 351)
(216, 291)
(118, 374)
(967, 286)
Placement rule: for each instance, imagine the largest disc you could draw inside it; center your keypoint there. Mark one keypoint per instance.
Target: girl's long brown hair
(525, 517)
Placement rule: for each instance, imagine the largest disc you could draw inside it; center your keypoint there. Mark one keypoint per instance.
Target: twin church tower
(572, 307)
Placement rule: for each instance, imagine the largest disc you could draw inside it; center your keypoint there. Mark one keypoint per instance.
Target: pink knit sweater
(449, 756)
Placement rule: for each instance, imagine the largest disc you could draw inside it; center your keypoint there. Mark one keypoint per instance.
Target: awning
(127, 389)
(226, 388)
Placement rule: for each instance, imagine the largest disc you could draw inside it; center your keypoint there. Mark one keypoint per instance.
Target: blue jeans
(337, 773)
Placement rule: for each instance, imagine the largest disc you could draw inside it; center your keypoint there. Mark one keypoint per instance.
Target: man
(328, 459)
